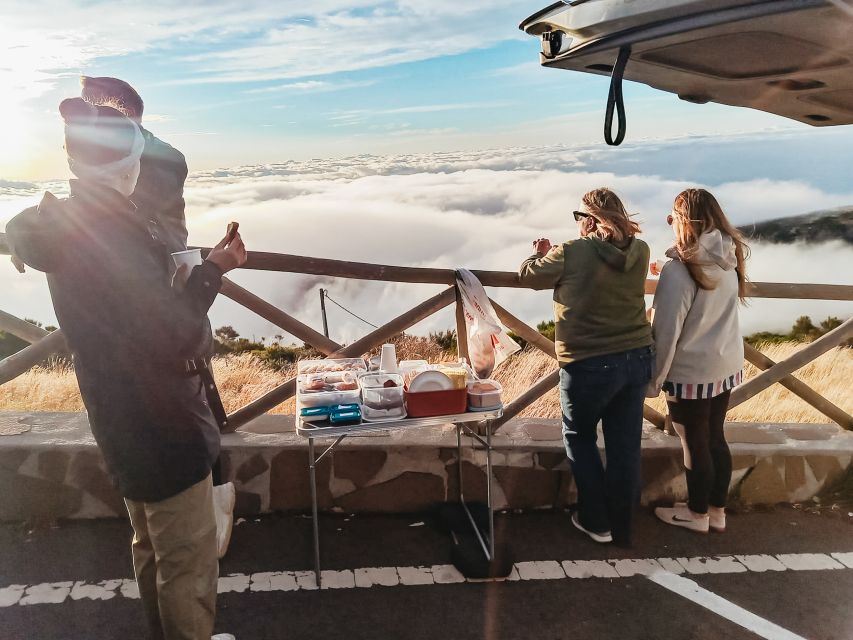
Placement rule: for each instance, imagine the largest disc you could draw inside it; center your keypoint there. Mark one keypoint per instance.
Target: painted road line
(369, 577)
(722, 607)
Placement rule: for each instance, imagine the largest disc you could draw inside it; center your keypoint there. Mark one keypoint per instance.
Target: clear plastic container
(327, 398)
(331, 365)
(484, 395)
(380, 400)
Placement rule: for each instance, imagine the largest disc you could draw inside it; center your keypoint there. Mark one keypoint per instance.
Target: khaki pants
(175, 562)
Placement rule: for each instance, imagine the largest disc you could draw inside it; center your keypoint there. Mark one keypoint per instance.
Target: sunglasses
(579, 215)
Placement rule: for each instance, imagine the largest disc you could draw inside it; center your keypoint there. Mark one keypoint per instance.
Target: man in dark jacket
(159, 195)
(137, 344)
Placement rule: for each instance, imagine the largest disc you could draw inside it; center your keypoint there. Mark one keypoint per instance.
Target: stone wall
(54, 469)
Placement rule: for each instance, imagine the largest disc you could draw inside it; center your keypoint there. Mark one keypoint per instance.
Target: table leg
(488, 548)
(489, 490)
(312, 463)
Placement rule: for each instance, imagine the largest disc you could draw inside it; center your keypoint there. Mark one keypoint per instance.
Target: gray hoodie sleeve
(673, 298)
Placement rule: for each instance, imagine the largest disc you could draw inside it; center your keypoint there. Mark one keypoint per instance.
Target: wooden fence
(44, 344)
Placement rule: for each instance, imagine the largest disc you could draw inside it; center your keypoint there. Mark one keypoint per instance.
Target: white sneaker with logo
(716, 517)
(681, 516)
(223, 636)
(224, 496)
(603, 536)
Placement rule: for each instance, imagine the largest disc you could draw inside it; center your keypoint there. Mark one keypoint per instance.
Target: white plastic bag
(488, 343)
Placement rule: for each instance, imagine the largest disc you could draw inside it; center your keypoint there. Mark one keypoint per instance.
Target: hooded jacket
(130, 334)
(599, 303)
(696, 331)
(159, 193)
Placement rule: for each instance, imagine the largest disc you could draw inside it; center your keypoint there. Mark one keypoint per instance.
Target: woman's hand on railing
(228, 256)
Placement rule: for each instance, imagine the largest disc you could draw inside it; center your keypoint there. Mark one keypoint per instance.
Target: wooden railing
(44, 344)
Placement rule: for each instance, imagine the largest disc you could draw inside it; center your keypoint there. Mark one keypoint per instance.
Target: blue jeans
(610, 389)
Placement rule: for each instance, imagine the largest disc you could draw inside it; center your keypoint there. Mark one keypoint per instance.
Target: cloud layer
(468, 209)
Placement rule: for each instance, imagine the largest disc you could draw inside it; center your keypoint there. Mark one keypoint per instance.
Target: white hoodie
(696, 331)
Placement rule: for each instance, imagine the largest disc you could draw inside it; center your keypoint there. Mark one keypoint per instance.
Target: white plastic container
(380, 402)
(331, 365)
(327, 398)
(484, 395)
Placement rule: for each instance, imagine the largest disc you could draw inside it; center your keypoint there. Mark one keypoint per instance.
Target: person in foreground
(137, 343)
(159, 195)
(604, 345)
(700, 350)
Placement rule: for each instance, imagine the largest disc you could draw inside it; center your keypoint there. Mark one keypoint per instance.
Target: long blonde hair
(612, 223)
(698, 212)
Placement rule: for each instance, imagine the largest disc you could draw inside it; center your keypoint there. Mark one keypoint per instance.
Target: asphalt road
(810, 598)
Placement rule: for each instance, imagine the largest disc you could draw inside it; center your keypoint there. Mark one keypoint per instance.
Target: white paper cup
(388, 359)
(191, 258)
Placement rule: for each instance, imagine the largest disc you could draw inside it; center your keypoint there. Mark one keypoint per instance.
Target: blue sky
(234, 83)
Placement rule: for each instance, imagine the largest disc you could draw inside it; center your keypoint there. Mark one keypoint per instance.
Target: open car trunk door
(793, 58)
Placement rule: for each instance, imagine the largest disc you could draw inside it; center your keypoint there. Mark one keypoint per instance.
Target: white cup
(191, 258)
(388, 360)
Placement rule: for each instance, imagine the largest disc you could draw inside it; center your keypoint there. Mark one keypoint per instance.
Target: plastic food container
(345, 414)
(315, 414)
(382, 396)
(327, 398)
(425, 404)
(331, 365)
(484, 395)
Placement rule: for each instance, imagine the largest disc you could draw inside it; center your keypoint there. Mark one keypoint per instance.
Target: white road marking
(722, 607)
(720, 564)
(844, 558)
(761, 563)
(589, 569)
(808, 561)
(540, 570)
(369, 577)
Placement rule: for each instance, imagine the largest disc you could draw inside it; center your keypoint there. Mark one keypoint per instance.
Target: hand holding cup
(542, 246)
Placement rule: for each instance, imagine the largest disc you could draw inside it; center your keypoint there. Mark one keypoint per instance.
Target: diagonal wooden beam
(278, 317)
(779, 371)
(800, 389)
(399, 324)
(21, 328)
(25, 359)
(539, 389)
(546, 346)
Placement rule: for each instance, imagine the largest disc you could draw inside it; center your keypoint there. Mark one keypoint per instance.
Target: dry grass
(243, 378)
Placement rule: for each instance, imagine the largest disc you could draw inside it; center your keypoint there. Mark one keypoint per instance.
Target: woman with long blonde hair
(604, 345)
(700, 350)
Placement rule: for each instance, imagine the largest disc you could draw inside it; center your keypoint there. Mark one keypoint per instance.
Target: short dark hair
(113, 92)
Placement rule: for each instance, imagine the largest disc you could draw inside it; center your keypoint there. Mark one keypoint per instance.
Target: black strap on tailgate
(615, 100)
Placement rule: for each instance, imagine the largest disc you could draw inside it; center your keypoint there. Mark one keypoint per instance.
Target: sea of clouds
(478, 210)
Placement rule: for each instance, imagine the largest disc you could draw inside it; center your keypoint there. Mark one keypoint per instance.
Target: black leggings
(709, 471)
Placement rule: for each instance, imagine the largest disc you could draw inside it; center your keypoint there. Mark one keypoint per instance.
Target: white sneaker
(716, 517)
(224, 496)
(602, 537)
(223, 636)
(681, 516)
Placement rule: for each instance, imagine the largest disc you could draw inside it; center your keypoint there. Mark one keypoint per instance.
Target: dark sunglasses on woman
(580, 215)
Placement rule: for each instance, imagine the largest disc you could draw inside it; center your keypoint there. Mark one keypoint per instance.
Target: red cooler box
(426, 404)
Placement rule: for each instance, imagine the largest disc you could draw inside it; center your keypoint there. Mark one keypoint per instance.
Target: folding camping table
(462, 422)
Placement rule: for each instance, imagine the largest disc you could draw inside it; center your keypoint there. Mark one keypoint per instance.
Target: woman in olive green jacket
(604, 345)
